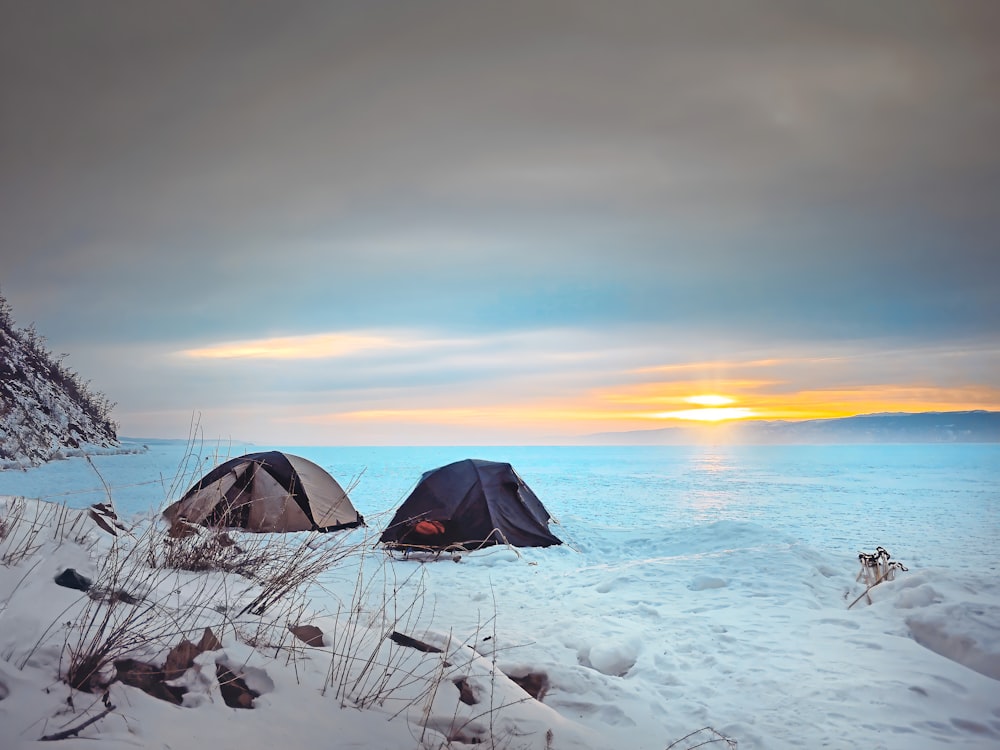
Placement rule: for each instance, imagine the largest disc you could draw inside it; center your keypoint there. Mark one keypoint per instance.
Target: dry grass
(359, 675)
(28, 524)
(702, 738)
(149, 594)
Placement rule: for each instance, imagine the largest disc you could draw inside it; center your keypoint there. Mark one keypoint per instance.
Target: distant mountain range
(46, 410)
(922, 427)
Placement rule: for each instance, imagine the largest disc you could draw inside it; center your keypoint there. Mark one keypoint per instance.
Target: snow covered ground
(698, 587)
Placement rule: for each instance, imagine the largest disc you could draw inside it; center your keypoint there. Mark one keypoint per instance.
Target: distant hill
(46, 411)
(922, 427)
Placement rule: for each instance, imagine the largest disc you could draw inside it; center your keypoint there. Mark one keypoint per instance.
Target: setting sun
(715, 409)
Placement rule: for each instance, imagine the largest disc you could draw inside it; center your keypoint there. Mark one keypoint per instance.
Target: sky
(504, 222)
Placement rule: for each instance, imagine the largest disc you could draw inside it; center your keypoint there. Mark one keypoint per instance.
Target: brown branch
(877, 582)
(77, 729)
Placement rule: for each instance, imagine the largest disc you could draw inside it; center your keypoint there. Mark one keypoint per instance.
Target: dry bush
(137, 608)
(359, 674)
(29, 524)
(702, 738)
(280, 564)
(151, 591)
(126, 612)
(208, 550)
(406, 676)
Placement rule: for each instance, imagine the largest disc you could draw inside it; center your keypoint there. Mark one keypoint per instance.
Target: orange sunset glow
(560, 404)
(641, 406)
(708, 414)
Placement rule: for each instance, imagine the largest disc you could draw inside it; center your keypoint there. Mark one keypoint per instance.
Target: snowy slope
(46, 412)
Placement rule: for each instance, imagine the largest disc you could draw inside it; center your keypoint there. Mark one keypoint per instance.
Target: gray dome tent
(269, 491)
(470, 504)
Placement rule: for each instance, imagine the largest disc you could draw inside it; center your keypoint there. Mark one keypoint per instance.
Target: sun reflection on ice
(711, 497)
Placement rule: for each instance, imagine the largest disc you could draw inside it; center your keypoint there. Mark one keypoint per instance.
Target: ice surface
(698, 586)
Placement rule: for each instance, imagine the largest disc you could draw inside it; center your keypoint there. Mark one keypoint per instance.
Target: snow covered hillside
(46, 411)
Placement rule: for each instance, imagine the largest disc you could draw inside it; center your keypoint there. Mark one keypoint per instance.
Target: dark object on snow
(209, 641)
(410, 642)
(149, 678)
(153, 680)
(535, 684)
(104, 515)
(308, 634)
(235, 691)
(269, 491)
(180, 659)
(73, 580)
(475, 504)
(465, 692)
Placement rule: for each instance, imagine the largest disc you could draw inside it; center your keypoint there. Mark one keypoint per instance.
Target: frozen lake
(938, 504)
(702, 585)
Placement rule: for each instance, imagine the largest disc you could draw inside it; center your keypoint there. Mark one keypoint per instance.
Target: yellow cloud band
(318, 346)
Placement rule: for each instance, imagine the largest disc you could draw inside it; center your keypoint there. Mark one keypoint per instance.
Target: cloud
(315, 346)
(562, 383)
(530, 198)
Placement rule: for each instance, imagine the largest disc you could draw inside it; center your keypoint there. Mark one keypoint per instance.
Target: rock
(73, 580)
(410, 642)
(308, 634)
(153, 680)
(234, 689)
(208, 641)
(180, 659)
(149, 678)
(535, 684)
(465, 692)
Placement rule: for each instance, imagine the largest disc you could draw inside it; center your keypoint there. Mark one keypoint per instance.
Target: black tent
(268, 491)
(470, 504)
